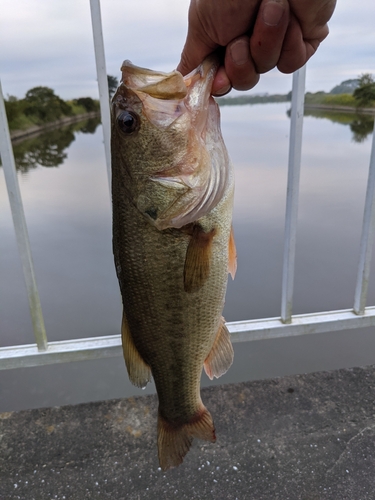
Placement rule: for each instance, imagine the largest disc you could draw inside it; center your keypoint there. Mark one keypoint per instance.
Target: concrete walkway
(304, 437)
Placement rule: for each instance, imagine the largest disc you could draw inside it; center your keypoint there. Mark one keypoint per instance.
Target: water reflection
(360, 124)
(69, 220)
(362, 127)
(49, 149)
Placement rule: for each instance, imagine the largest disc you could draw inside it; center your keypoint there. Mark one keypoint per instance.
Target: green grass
(340, 100)
(332, 99)
(321, 98)
(252, 99)
(22, 122)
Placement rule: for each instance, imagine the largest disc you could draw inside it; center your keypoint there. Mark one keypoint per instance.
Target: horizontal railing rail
(108, 346)
(43, 352)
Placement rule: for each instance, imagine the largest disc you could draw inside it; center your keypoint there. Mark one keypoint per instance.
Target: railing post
(367, 238)
(102, 81)
(294, 164)
(20, 228)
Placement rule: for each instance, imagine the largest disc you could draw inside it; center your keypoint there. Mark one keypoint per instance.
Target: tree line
(358, 93)
(365, 92)
(41, 105)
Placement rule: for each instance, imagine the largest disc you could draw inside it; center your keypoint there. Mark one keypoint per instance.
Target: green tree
(43, 104)
(14, 109)
(112, 85)
(365, 92)
(88, 103)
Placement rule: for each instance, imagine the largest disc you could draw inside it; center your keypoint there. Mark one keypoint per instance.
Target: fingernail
(272, 13)
(240, 52)
(223, 91)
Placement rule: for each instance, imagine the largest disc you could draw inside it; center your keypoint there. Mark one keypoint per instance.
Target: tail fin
(174, 441)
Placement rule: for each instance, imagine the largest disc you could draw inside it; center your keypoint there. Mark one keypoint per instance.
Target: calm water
(65, 191)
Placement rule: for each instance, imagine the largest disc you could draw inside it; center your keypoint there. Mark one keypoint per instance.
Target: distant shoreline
(275, 99)
(17, 135)
(341, 109)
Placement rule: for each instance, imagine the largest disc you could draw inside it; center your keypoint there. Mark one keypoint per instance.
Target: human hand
(257, 35)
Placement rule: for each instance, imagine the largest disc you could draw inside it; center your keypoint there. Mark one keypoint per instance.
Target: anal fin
(220, 357)
(174, 440)
(198, 259)
(139, 372)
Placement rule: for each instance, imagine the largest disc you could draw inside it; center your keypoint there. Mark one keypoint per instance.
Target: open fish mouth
(172, 85)
(166, 96)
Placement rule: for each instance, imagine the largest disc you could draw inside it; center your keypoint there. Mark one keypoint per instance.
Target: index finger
(267, 39)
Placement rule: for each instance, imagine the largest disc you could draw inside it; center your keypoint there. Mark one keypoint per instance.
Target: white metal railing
(294, 167)
(41, 352)
(20, 228)
(101, 72)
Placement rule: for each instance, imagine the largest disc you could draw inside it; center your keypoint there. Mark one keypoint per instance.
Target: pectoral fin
(221, 354)
(139, 372)
(232, 264)
(198, 259)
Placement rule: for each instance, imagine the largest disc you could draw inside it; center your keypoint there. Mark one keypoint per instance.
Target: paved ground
(304, 437)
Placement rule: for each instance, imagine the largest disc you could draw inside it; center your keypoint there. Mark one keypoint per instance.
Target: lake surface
(66, 198)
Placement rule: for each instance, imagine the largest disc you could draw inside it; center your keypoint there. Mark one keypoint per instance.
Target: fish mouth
(156, 84)
(196, 85)
(199, 82)
(165, 97)
(199, 100)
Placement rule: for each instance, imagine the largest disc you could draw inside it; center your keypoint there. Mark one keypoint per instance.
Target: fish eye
(128, 122)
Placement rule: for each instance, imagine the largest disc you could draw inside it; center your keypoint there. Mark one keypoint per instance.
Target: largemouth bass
(172, 190)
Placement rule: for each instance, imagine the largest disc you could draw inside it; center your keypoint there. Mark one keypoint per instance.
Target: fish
(173, 243)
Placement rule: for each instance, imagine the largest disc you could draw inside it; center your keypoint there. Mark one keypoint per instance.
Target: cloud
(50, 43)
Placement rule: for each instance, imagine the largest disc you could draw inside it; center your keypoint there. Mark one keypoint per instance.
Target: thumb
(195, 50)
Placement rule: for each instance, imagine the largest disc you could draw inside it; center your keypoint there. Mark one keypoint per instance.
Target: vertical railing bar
(101, 72)
(294, 163)
(367, 238)
(20, 228)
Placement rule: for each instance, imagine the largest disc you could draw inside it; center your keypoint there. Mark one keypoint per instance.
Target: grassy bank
(33, 130)
(331, 99)
(21, 121)
(42, 106)
(317, 98)
(253, 99)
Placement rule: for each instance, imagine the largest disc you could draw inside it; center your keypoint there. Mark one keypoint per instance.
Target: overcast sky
(49, 42)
